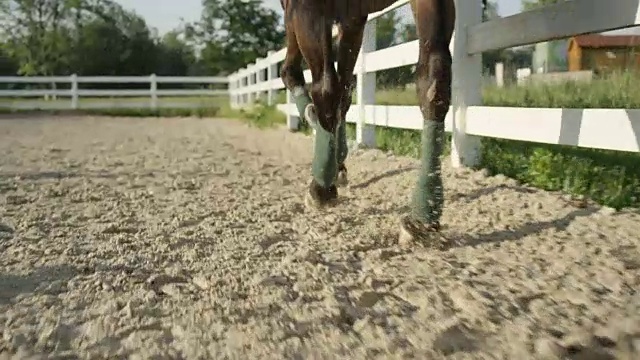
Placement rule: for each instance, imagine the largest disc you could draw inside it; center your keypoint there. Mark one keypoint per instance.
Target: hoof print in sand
(412, 234)
(167, 285)
(456, 338)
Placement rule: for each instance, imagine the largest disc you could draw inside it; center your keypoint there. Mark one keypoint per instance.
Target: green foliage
(8, 65)
(233, 33)
(611, 178)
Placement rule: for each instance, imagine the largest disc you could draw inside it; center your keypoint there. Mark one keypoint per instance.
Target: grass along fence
(520, 128)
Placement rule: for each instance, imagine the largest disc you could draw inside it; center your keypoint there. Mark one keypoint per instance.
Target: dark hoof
(342, 179)
(414, 231)
(318, 197)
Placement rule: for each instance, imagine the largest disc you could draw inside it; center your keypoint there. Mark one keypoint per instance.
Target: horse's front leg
(349, 42)
(313, 33)
(435, 21)
(292, 75)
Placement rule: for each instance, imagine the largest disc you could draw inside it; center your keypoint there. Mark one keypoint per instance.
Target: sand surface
(188, 239)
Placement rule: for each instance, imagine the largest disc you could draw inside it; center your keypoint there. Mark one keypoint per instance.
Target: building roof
(598, 41)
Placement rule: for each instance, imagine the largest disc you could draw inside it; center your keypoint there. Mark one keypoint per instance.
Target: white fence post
(293, 122)
(500, 74)
(250, 81)
(242, 84)
(238, 80)
(366, 89)
(261, 76)
(240, 87)
(466, 87)
(256, 80)
(272, 69)
(74, 91)
(247, 82)
(233, 92)
(230, 89)
(54, 87)
(154, 91)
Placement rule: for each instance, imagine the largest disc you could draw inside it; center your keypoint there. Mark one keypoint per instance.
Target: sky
(166, 14)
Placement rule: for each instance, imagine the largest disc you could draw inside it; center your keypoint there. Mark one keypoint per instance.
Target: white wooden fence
(615, 129)
(74, 92)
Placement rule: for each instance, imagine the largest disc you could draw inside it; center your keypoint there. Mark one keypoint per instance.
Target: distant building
(604, 53)
(553, 56)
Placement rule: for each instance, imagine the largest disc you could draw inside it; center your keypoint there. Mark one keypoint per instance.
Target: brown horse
(308, 26)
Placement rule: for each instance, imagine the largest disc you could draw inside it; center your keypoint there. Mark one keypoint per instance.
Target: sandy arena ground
(188, 239)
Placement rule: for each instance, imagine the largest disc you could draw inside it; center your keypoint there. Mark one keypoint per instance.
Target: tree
(175, 56)
(87, 37)
(8, 66)
(490, 11)
(34, 33)
(234, 33)
(112, 41)
(386, 31)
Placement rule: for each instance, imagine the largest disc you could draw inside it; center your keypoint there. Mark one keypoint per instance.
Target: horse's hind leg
(313, 32)
(349, 44)
(435, 21)
(293, 77)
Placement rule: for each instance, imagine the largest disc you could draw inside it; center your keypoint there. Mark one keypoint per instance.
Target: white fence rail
(75, 93)
(614, 129)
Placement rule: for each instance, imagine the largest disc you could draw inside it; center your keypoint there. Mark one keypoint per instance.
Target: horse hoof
(310, 115)
(341, 179)
(318, 197)
(413, 232)
(316, 204)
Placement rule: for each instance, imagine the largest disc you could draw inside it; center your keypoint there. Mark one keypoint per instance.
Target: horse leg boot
(313, 33)
(435, 19)
(322, 190)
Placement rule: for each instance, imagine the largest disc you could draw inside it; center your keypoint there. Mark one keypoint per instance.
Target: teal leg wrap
(301, 103)
(301, 98)
(343, 148)
(428, 197)
(324, 167)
